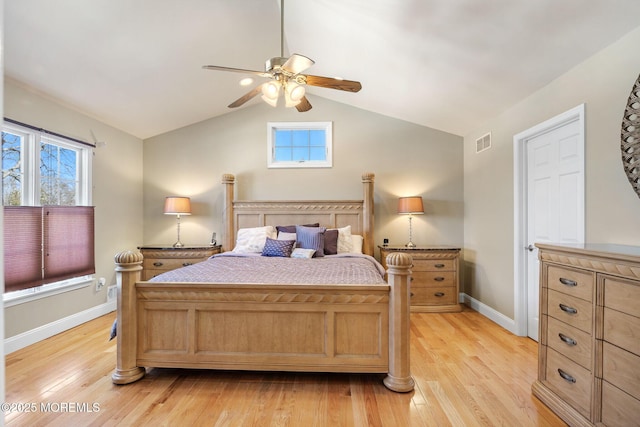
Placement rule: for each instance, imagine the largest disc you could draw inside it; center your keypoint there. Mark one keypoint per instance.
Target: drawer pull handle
(568, 282)
(439, 266)
(566, 376)
(568, 309)
(184, 264)
(565, 339)
(157, 264)
(410, 294)
(438, 279)
(439, 294)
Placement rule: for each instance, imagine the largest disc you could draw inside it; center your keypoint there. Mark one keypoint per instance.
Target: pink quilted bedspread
(335, 269)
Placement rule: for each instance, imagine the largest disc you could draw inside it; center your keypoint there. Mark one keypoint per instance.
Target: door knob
(530, 248)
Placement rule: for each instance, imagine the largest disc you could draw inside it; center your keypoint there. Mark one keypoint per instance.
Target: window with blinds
(48, 220)
(47, 244)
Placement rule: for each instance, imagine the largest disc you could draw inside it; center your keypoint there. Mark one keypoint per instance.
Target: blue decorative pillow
(281, 248)
(311, 238)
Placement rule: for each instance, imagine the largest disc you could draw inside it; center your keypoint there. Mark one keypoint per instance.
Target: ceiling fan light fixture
(272, 102)
(271, 92)
(293, 94)
(271, 89)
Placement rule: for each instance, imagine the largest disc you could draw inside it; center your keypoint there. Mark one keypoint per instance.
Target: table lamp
(174, 205)
(411, 206)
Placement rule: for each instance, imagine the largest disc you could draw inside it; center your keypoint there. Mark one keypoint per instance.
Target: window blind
(47, 244)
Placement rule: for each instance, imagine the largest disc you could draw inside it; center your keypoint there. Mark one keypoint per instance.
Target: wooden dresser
(435, 277)
(158, 259)
(589, 348)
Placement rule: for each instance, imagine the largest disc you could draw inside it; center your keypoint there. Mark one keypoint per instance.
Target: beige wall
(407, 160)
(117, 195)
(603, 83)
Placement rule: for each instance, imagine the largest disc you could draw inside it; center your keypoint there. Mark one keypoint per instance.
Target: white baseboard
(490, 313)
(40, 333)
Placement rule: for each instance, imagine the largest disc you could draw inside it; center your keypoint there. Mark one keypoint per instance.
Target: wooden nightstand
(159, 258)
(435, 279)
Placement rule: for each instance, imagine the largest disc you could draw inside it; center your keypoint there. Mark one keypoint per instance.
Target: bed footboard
(309, 328)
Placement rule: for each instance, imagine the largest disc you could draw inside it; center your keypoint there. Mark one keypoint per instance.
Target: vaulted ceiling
(446, 64)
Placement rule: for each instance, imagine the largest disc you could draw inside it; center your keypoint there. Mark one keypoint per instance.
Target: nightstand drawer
(159, 259)
(572, 282)
(148, 274)
(168, 263)
(438, 279)
(431, 264)
(435, 277)
(433, 296)
(570, 310)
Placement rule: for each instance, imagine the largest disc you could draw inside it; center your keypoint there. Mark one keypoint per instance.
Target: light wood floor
(468, 372)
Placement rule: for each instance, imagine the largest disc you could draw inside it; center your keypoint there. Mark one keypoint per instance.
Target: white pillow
(253, 239)
(286, 236)
(357, 241)
(345, 245)
(302, 253)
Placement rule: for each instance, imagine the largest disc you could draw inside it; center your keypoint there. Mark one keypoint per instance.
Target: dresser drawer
(618, 408)
(621, 368)
(570, 342)
(436, 279)
(570, 381)
(431, 264)
(445, 295)
(622, 295)
(577, 283)
(570, 310)
(622, 330)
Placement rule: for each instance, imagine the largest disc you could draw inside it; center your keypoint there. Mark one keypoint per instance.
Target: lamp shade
(410, 205)
(174, 205)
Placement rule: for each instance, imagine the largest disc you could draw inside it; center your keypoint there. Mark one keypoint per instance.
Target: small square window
(299, 145)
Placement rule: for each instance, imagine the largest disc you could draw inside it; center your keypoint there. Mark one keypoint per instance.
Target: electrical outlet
(112, 292)
(100, 283)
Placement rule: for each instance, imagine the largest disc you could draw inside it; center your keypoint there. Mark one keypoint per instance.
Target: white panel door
(555, 200)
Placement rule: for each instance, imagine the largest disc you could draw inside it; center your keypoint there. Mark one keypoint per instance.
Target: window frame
(273, 127)
(30, 146)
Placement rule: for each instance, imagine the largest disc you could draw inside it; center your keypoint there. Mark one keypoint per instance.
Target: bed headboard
(329, 213)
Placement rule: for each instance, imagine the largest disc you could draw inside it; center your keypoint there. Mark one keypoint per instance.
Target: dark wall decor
(630, 144)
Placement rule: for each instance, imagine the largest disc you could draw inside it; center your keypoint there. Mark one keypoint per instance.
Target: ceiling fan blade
(331, 83)
(304, 105)
(236, 70)
(246, 97)
(297, 63)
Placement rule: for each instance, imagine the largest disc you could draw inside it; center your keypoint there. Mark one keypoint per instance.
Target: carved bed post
(128, 268)
(228, 241)
(367, 220)
(399, 269)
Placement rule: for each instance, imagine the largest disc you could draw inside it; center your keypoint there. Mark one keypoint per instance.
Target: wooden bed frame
(309, 328)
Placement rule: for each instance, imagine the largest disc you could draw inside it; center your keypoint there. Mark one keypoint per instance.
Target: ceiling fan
(285, 77)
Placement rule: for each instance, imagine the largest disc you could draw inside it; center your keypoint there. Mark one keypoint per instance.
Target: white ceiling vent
(483, 143)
